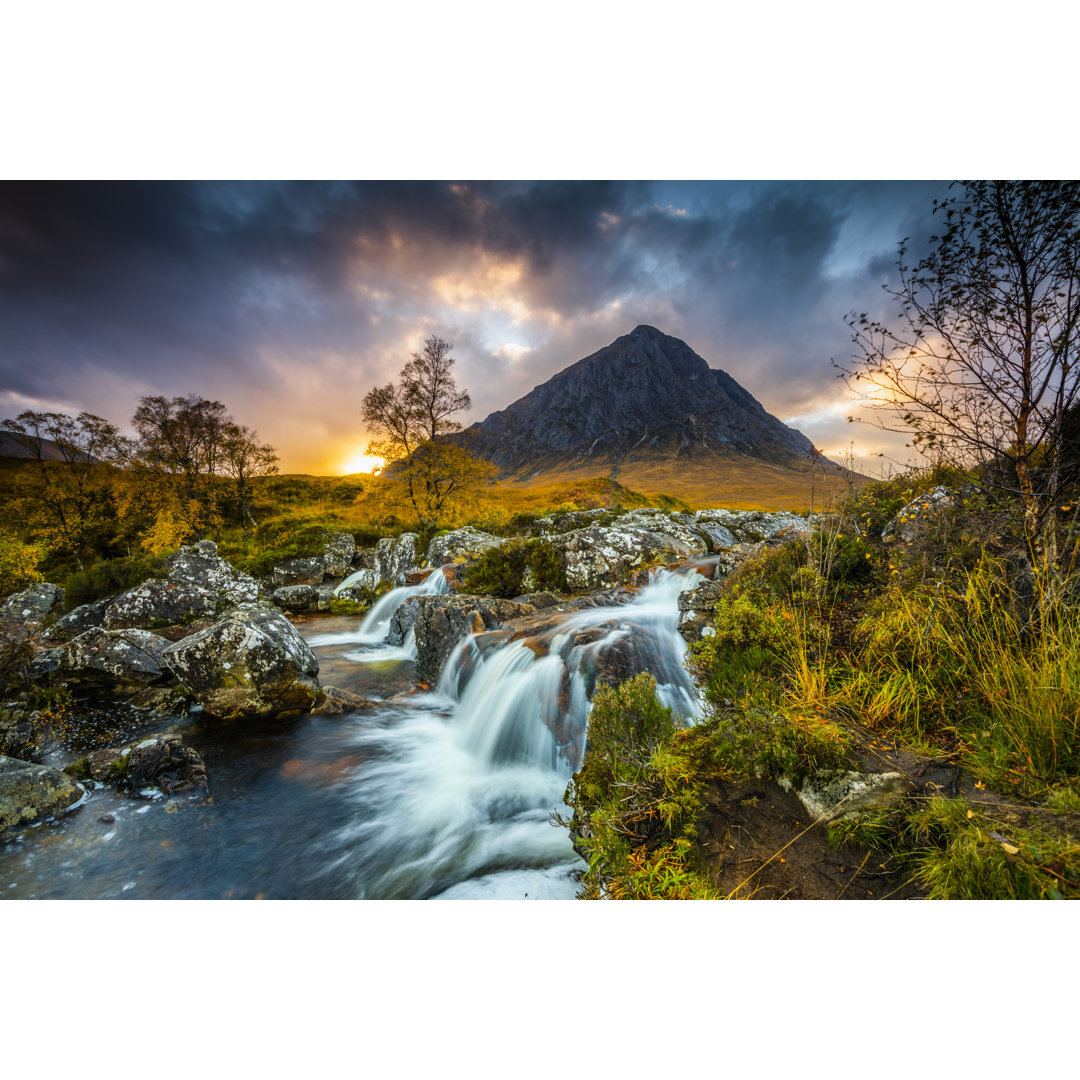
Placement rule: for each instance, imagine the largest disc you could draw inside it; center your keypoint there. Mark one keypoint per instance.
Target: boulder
(162, 761)
(554, 524)
(108, 657)
(30, 792)
(402, 621)
(600, 556)
(751, 526)
(338, 554)
(364, 582)
(831, 796)
(919, 514)
(158, 603)
(300, 571)
(29, 607)
(296, 597)
(393, 557)
(77, 620)
(201, 565)
(441, 621)
(250, 663)
(459, 545)
(539, 600)
(43, 665)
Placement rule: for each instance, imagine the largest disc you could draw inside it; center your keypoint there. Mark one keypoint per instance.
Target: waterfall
(376, 624)
(459, 786)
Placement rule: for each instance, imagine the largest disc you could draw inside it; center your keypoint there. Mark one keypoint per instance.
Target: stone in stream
(111, 657)
(251, 663)
(395, 557)
(162, 760)
(29, 792)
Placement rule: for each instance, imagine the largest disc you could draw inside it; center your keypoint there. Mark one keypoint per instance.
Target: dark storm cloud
(289, 300)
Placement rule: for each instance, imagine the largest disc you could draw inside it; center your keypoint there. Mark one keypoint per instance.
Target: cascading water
(458, 789)
(373, 630)
(443, 795)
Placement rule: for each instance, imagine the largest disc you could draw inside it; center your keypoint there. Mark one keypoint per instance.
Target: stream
(445, 794)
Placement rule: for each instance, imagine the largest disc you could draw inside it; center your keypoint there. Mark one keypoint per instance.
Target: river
(445, 794)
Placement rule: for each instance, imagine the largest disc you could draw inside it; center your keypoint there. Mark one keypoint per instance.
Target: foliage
(111, 576)
(18, 564)
(636, 799)
(516, 567)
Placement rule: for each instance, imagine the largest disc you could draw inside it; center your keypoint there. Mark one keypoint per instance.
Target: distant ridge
(646, 410)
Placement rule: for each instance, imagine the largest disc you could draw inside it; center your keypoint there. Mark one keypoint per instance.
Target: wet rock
(338, 554)
(401, 622)
(442, 621)
(29, 607)
(76, 621)
(830, 797)
(295, 597)
(459, 545)
(299, 571)
(360, 588)
(158, 603)
(696, 609)
(250, 663)
(201, 565)
(539, 600)
(30, 792)
(333, 701)
(162, 761)
(108, 657)
(919, 514)
(393, 557)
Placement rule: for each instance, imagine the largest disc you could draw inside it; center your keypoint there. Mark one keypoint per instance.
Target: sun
(362, 463)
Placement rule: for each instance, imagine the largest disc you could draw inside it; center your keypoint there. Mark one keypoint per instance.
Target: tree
(410, 416)
(982, 367)
(242, 459)
(70, 499)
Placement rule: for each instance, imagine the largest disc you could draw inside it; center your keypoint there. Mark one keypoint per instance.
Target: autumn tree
(410, 417)
(981, 367)
(69, 498)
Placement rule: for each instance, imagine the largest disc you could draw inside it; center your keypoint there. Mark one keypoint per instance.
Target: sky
(289, 301)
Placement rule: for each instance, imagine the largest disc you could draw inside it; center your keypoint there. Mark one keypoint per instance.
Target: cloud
(288, 301)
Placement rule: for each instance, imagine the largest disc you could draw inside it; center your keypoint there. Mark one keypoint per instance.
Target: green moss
(515, 567)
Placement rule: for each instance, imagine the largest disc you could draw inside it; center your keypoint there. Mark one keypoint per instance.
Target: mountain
(651, 413)
(12, 447)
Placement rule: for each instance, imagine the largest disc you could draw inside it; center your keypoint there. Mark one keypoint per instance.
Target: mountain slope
(650, 412)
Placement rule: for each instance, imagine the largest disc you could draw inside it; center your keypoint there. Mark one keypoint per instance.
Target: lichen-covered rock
(567, 520)
(338, 554)
(830, 797)
(77, 620)
(393, 557)
(912, 520)
(751, 526)
(441, 621)
(107, 657)
(157, 603)
(201, 565)
(295, 597)
(30, 792)
(600, 556)
(43, 665)
(402, 620)
(250, 663)
(308, 571)
(459, 545)
(29, 607)
(162, 761)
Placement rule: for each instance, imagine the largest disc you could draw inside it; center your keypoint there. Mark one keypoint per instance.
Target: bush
(516, 567)
(18, 564)
(110, 577)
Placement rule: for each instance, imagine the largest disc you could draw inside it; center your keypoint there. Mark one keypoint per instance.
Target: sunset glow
(362, 463)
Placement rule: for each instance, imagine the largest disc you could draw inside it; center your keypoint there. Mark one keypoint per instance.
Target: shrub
(111, 576)
(18, 564)
(515, 567)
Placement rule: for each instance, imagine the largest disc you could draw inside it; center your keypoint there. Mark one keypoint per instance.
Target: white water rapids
(458, 785)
